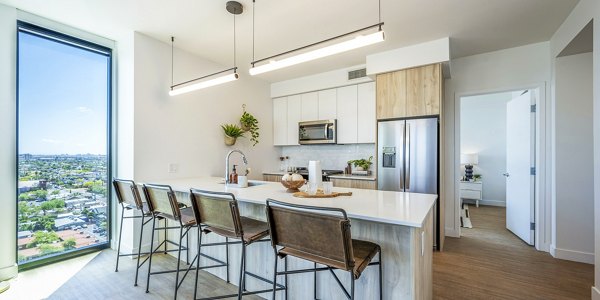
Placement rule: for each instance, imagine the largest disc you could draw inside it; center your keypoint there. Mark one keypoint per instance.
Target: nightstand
(472, 190)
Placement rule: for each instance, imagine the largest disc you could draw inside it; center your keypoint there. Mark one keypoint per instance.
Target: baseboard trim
(9, 272)
(493, 203)
(572, 255)
(595, 293)
(451, 232)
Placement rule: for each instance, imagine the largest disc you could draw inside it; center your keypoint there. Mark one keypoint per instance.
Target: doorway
(497, 161)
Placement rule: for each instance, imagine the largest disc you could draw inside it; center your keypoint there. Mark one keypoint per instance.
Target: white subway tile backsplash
(332, 157)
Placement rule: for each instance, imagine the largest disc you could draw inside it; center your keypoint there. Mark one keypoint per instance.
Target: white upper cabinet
(366, 113)
(294, 115)
(310, 106)
(327, 104)
(347, 114)
(280, 121)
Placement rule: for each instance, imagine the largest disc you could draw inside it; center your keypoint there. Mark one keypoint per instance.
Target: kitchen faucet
(227, 163)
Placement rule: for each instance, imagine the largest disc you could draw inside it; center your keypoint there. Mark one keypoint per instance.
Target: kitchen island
(401, 223)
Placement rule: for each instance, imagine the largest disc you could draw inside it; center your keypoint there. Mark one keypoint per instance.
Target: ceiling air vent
(357, 74)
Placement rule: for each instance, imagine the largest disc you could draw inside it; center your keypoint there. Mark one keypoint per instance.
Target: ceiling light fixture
(235, 8)
(357, 42)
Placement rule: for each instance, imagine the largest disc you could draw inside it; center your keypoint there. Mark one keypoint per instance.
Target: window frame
(70, 40)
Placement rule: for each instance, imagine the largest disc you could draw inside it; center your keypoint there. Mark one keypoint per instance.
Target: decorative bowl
(293, 186)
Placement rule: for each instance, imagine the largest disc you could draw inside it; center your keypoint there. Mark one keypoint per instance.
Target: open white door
(519, 160)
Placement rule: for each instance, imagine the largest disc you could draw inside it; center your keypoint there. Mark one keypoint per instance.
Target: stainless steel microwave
(317, 132)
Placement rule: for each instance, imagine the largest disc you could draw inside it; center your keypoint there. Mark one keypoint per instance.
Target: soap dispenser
(233, 177)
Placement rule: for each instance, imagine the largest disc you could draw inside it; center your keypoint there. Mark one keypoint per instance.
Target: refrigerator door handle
(401, 164)
(407, 162)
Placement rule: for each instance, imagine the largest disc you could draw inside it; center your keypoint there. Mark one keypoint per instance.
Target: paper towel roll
(315, 174)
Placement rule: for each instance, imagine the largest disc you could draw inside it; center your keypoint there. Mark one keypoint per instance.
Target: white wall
(516, 68)
(8, 147)
(186, 129)
(483, 131)
(574, 190)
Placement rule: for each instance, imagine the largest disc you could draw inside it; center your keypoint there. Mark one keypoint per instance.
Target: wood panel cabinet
(354, 183)
(409, 93)
(272, 177)
(280, 121)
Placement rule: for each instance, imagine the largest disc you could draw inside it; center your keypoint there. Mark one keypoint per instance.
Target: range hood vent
(360, 73)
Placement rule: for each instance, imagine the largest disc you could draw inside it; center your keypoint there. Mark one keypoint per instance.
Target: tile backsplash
(332, 157)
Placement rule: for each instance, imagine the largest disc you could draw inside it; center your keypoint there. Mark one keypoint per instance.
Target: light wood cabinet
(409, 93)
(367, 120)
(280, 121)
(328, 104)
(391, 95)
(294, 115)
(354, 183)
(310, 106)
(272, 177)
(347, 114)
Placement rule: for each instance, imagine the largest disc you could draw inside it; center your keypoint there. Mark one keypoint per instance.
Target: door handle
(408, 156)
(506, 175)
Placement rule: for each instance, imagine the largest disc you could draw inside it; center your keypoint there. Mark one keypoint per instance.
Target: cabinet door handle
(506, 175)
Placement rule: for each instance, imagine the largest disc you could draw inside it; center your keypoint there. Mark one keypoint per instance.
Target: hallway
(489, 262)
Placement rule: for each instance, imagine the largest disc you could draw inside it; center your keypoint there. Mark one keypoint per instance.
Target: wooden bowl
(293, 186)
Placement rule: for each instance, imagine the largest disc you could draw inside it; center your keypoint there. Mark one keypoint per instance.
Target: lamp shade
(469, 159)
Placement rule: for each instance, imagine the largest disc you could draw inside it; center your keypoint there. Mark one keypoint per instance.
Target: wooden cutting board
(320, 195)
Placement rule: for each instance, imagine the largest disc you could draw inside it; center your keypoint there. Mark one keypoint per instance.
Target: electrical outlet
(173, 168)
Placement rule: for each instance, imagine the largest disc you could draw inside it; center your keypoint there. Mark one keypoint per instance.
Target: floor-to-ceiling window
(64, 96)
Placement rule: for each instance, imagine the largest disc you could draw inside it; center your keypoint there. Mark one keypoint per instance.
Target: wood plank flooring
(98, 280)
(489, 262)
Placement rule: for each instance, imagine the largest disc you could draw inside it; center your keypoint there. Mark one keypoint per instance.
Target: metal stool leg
(315, 281)
(285, 265)
(137, 269)
(244, 281)
(178, 262)
(275, 275)
(165, 233)
(198, 255)
(242, 275)
(187, 252)
(351, 285)
(227, 257)
(380, 276)
(151, 252)
(120, 233)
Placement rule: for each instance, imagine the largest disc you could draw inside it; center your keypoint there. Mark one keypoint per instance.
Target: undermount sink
(250, 184)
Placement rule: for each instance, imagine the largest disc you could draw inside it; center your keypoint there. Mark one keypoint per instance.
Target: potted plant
(362, 164)
(232, 132)
(250, 123)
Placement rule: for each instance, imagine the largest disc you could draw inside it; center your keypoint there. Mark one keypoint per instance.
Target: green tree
(69, 244)
(42, 237)
(52, 204)
(48, 249)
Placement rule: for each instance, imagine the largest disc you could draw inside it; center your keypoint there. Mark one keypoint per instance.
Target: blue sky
(62, 98)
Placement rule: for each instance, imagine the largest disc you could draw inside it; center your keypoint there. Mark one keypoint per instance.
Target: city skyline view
(74, 82)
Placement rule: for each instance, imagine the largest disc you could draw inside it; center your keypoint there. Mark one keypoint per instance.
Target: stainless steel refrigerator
(407, 152)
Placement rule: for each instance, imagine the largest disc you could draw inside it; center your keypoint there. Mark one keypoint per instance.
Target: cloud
(52, 141)
(83, 109)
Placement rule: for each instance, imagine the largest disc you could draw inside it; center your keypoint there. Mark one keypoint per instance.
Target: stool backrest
(127, 193)
(161, 199)
(318, 232)
(218, 210)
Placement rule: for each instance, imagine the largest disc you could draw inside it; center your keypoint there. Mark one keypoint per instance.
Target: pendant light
(347, 45)
(235, 8)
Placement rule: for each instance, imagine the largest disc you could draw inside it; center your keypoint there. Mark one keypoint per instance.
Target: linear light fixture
(356, 42)
(235, 8)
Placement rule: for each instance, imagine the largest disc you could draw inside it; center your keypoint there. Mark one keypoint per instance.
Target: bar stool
(129, 198)
(163, 204)
(301, 231)
(220, 214)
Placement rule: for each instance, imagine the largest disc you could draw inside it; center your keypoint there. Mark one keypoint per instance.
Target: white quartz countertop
(408, 209)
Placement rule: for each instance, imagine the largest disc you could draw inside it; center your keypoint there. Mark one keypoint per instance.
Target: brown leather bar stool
(323, 238)
(163, 204)
(129, 198)
(220, 214)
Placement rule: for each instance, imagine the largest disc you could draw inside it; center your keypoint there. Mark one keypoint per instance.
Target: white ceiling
(204, 27)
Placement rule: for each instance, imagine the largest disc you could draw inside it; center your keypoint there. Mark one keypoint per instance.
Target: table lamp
(469, 159)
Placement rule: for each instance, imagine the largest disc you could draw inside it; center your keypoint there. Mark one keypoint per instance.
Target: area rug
(465, 220)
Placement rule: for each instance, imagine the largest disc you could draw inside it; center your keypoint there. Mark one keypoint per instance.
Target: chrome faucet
(227, 163)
